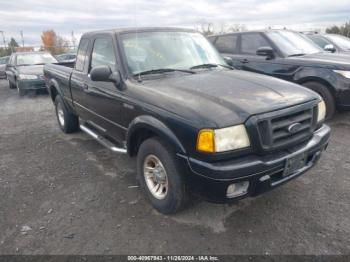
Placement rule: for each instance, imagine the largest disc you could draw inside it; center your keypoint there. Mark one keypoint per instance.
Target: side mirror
(266, 51)
(105, 74)
(228, 60)
(329, 48)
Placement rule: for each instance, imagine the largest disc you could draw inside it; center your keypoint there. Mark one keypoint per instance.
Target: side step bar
(103, 141)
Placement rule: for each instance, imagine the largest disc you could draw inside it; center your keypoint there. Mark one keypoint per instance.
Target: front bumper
(211, 180)
(32, 84)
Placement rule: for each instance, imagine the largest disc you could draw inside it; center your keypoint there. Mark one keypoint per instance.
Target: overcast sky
(34, 16)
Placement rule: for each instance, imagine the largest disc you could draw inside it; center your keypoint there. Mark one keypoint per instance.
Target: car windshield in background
(293, 44)
(35, 59)
(342, 41)
(167, 50)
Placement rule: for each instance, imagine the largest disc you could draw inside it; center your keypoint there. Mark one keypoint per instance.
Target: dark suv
(293, 57)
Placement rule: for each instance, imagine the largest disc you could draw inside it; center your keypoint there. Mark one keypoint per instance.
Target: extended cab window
(79, 64)
(251, 43)
(226, 43)
(103, 53)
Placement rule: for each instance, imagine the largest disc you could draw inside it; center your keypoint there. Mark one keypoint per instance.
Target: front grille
(274, 130)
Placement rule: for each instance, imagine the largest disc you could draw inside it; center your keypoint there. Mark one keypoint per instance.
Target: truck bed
(59, 74)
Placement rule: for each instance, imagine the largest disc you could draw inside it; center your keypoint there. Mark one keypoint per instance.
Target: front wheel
(160, 176)
(326, 95)
(21, 92)
(12, 86)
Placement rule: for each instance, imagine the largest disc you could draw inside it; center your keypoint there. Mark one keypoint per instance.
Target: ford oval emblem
(294, 128)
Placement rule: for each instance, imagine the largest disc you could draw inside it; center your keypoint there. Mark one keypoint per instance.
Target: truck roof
(136, 29)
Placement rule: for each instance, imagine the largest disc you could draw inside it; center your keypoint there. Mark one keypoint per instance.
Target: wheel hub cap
(60, 114)
(155, 176)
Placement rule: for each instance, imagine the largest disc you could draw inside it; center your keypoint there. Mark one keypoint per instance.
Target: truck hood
(327, 60)
(31, 70)
(219, 98)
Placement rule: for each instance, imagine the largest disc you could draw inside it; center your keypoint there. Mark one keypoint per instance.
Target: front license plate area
(293, 164)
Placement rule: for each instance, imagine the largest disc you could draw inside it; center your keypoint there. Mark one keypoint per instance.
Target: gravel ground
(66, 194)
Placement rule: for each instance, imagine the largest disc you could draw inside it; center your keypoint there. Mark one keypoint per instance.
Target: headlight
(344, 73)
(27, 77)
(321, 111)
(224, 139)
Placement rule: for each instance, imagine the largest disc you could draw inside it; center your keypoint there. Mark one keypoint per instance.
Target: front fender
(152, 124)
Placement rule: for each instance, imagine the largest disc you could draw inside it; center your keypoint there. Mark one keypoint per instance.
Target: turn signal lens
(321, 111)
(205, 141)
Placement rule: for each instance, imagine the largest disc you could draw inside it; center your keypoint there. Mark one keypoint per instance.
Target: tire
(68, 122)
(21, 92)
(12, 86)
(328, 98)
(177, 195)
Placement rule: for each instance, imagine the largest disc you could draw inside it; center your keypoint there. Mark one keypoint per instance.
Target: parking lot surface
(66, 194)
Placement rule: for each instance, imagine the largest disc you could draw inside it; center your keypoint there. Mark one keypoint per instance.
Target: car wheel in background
(160, 176)
(21, 91)
(67, 121)
(12, 86)
(328, 98)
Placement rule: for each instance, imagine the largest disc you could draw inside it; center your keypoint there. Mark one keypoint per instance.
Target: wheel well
(320, 81)
(53, 92)
(137, 138)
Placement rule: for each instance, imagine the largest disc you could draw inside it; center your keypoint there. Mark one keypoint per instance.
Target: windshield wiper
(209, 66)
(163, 70)
(300, 54)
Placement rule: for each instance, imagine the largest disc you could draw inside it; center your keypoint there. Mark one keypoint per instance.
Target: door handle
(244, 61)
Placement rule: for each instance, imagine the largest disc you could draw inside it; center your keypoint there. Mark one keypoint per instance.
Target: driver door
(103, 99)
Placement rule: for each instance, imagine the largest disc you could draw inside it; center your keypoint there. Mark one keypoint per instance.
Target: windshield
(35, 59)
(341, 41)
(176, 50)
(292, 43)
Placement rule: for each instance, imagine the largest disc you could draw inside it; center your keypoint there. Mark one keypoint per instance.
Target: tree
(341, 30)
(13, 44)
(53, 43)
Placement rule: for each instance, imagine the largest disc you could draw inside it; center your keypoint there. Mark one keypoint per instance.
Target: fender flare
(310, 75)
(157, 127)
(53, 84)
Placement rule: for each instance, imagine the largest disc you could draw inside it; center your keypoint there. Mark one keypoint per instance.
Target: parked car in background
(293, 57)
(68, 57)
(166, 97)
(3, 62)
(331, 42)
(25, 70)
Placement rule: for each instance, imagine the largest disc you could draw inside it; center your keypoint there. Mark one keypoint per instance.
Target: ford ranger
(195, 125)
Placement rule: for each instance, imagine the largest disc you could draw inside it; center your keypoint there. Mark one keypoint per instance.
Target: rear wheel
(328, 98)
(160, 176)
(68, 122)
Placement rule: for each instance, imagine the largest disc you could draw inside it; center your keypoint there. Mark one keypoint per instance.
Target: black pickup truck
(293, 57)
(166, 96)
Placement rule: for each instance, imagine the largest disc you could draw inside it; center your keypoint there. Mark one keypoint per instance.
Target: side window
(81, 55)
(103, 53)
(226, 43)
(251, 42)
